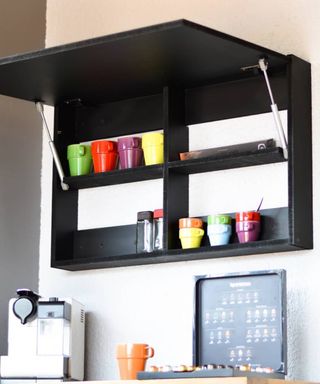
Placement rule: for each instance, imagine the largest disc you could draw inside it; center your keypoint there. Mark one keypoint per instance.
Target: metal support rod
(263, 65)
(54, 152)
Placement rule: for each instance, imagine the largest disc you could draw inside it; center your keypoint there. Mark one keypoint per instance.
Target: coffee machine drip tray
(42, 367)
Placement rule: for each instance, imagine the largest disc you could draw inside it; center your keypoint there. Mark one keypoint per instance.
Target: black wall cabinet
(166, 77)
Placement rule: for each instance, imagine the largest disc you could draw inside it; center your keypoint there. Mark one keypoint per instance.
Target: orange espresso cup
(132, 359)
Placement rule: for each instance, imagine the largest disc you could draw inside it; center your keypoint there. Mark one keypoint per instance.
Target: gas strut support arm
(263, 65)
(54, 152)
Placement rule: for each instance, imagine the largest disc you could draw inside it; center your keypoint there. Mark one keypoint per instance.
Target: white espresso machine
(45, 340)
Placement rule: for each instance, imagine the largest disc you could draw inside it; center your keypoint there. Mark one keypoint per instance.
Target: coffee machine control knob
(25, 307)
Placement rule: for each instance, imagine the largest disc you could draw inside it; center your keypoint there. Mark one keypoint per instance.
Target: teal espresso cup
(80, 159)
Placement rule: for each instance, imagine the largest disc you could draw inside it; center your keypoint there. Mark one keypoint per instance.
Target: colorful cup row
(129, 152)
(219, 229)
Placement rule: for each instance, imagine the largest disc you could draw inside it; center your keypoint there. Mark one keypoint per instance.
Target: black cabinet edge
(268, 156)
(118, 176)
(259, 157)
(179, 255)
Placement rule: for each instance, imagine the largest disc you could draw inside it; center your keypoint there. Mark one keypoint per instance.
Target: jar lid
(190, 222)
(145, 215)
(248, 216)
(219, 219)
(157, 213)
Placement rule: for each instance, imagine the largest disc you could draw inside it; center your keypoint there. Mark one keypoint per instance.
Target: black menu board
(240, 319)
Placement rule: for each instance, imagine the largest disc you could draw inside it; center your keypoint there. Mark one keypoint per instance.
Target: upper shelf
(130, 64)
(207, 164)
(247, 159)
(118, 176)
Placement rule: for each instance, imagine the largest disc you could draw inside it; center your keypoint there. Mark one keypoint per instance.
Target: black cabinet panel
(165, 77)
(130, 64)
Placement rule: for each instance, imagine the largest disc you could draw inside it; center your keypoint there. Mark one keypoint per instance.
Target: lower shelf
(257, 247)
(115, 246)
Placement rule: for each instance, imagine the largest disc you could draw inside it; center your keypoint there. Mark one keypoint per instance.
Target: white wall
(153, 303)
(22, 28)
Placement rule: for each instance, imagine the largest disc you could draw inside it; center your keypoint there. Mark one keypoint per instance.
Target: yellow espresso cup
(190, 237)
(152, 145)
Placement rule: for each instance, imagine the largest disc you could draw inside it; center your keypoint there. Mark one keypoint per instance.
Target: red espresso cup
(248, 226)
(104, 155)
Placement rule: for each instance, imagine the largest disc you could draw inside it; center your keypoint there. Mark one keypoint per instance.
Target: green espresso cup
(80, 159)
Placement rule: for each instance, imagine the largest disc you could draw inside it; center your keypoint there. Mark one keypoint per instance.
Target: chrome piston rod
(54, 152)
(263, 65)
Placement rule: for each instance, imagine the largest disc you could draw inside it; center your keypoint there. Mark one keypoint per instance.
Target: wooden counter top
(216, 380)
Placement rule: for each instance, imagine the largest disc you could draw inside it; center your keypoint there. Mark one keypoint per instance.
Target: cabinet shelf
(165, 77)
(266, 156)
(119, 176)
(89, 245)
(178, 255)
(207, 164)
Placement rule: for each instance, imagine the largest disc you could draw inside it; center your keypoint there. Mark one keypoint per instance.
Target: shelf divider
(176, 187)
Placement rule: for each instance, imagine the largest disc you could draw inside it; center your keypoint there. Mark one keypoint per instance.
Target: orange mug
(132, 359)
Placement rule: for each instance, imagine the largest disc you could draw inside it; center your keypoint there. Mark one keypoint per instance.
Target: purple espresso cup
(248, 231)
(130, 152)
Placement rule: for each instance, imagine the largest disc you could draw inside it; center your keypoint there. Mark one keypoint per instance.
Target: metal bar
(263, 65)
(54, 152)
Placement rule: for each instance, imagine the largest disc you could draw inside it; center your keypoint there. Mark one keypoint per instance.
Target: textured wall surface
(154, 304)
(22, 29)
